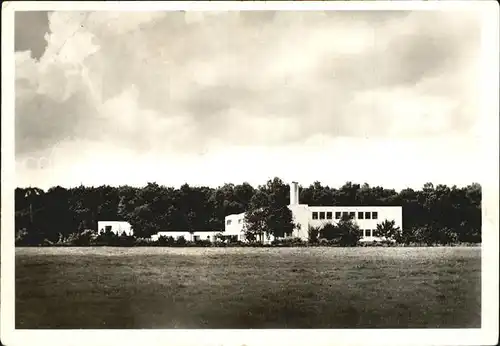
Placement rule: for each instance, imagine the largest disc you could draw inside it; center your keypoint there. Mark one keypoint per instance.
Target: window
(315, 215)
(374, 215)
(352, 215)
(322, 215)
(196, 238)
(108, 228)
(372, 231)
(344, 214)
(208, 237)
(228, 222)
(368, 215)
(337, 215)
(329, 215)
(360, 215)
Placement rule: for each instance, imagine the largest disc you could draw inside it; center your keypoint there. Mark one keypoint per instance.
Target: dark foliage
(433, 215)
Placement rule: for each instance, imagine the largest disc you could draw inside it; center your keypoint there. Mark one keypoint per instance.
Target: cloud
(31, 37)
(185, 82)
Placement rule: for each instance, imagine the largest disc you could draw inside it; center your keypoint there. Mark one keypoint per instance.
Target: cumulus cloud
(182, 82)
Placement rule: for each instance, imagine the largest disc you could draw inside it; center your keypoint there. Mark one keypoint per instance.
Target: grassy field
(248, 287)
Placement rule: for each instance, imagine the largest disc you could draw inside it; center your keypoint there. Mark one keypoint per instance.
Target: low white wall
(188, 236)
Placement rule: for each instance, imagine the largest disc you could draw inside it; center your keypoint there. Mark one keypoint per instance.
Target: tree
(31, 194)
(345, 232)
(143, 221)
(269, 213)
(56, 207)
(347, 194)
(387, 230)
(279, 221)
(254, 224)
(433, 214)
(328, 231)
(406, 236)
(349, 232)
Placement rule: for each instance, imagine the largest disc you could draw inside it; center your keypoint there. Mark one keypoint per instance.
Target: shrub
(165, 241)
(21, 237)
(287, 242)
(323, 241)
(387, 230)
(219, 237)
(28, 238)
(125, 240)
(203, 243)
(446, 236)
(344, 233)
(107, 238)
(406, 236)
(423, 235)
(181, 241)
(83, 238)
(144, 242)
(313, 234)
(329, 231)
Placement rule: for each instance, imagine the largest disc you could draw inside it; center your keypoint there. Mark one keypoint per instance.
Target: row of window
(198, 238)
(228, 222)
(368, 232)
(361, 215)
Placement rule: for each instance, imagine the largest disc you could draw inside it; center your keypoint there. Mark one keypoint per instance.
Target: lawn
(248, 287)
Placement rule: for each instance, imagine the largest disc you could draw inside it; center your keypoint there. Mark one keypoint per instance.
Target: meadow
(320, 287)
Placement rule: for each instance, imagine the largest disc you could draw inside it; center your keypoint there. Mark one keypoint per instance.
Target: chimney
(294, 193)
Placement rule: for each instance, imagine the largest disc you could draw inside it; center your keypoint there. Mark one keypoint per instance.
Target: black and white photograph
(250, 166)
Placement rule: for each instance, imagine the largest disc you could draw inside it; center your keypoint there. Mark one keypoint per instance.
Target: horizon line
(255, 186)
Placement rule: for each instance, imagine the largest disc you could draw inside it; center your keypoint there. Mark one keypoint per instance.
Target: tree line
(429, 214)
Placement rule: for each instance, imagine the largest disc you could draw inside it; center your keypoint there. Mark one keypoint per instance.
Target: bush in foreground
(288, 242)
(344, 234)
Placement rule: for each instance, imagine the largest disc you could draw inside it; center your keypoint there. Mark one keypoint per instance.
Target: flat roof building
(305, 216)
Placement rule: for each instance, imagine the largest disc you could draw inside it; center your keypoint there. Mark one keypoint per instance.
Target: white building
(234, 227)
(305, 216)
(194, 236)
(117, 227)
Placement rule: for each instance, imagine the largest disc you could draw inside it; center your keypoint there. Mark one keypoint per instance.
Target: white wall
(303, 215)
(383, 213)
(300, 214)
(188, 236)
(233, 225)
(117, 227)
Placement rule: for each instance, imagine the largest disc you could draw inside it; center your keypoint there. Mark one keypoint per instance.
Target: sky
(206, 98)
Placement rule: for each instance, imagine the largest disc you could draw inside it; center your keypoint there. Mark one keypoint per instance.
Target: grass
(248, 287)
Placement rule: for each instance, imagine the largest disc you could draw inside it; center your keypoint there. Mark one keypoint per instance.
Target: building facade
(305, 216)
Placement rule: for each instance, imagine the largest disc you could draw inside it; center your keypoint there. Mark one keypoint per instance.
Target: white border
(487, 335)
